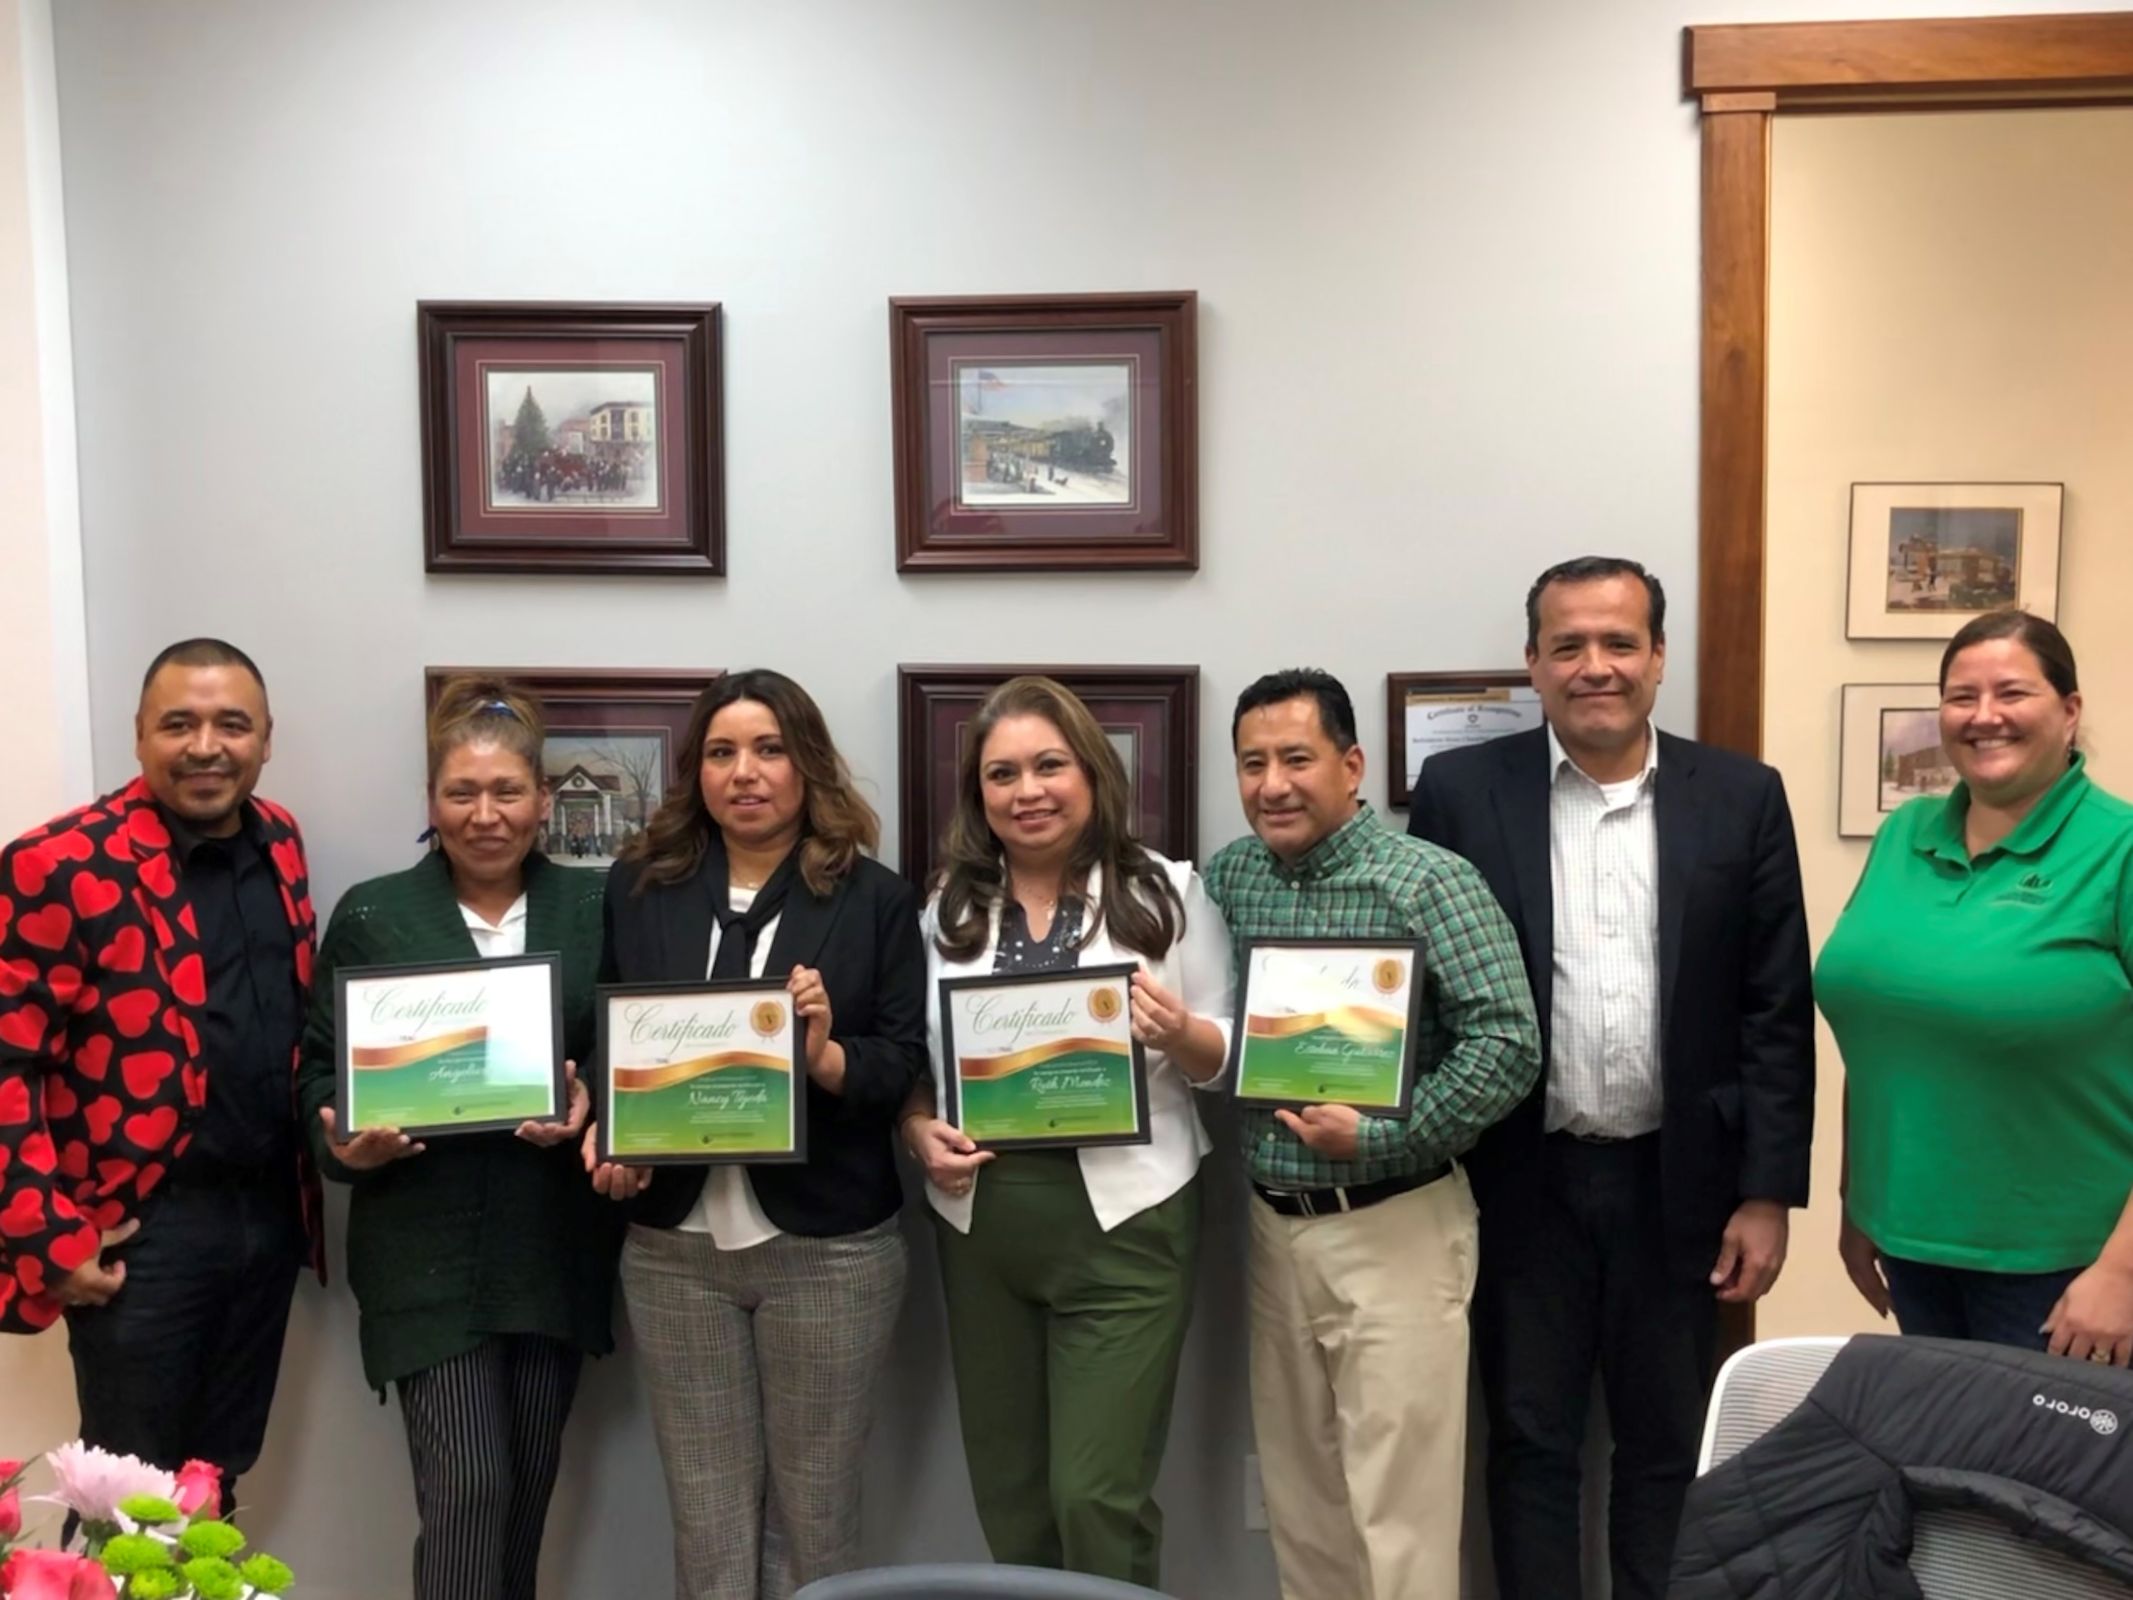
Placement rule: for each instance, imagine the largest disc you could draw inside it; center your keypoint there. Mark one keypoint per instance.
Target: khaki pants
(1359, 1383)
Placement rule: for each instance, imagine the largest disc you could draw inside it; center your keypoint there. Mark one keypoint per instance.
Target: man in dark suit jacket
(1655, 887)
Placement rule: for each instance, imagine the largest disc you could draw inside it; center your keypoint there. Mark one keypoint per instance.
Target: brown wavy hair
(1140, 902)
(836, 824)
(476, 709)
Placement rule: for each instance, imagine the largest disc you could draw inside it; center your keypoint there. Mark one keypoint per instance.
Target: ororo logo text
(2103, 1421)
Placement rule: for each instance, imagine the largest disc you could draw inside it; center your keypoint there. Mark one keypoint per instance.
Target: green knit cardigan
(482, 1233)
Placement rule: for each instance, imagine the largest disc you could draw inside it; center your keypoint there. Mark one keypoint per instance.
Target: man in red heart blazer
(154, 946)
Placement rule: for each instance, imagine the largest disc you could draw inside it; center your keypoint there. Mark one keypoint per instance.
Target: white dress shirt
(1603, 858)
(506, 938)
(727, 1209)
(1123, 1180)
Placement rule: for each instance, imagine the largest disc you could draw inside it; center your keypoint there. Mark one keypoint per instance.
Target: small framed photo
(440, 1048)
(613, 753)
(692, 1073)
(1044, 1061)
(1927, 557)
(1890, 753)
(1151, 715)
(1328, 1022)
(1429, 712)
(1045, 432)
(572, 438)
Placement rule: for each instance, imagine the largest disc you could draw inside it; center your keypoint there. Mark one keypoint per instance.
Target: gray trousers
(761, 1366)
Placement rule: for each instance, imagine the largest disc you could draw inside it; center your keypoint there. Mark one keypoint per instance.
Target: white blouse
(1122, 1180)
(507, 938)
(728, 1209)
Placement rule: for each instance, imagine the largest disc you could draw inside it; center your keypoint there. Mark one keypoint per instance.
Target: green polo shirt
(1478, 1050)
(1985, 1015)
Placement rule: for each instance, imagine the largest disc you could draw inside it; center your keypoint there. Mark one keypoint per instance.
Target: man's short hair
(202, 653)
(1336, 712)
(1587, 569)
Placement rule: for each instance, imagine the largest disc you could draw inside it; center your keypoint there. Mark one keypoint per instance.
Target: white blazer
(1123, 1180)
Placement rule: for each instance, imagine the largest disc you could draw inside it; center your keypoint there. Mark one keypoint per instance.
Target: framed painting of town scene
(1890, 753)
(1151, 715)
(613, 750)
(1045, 432)
(571, 438)
(1927, 557)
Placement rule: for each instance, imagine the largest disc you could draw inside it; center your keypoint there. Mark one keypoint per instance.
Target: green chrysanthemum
(152, 1509)
(215, 1539)
(266, 1574)
(134, 1552)
(213, 1578)
(157, 1583)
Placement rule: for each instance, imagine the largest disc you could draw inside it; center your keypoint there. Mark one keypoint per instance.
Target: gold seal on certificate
(450, 1047)
(700, 1072)
(1043, 1060)
(1328, 1022)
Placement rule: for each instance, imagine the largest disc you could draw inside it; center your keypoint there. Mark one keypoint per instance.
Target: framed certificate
(1044, 1060)
(1328, 1022)
(1427, 713)
(450, 1047)
(700, 1072)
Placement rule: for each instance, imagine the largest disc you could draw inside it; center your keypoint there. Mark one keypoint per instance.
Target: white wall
(1446, 255)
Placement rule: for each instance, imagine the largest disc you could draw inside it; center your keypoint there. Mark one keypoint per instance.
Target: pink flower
(54, 1575)
(92, 1482)
(10, 1469)
(200, 1489)
(10, 1513)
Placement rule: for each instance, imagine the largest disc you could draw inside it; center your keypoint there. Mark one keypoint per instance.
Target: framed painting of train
(571, 438)
(1151, 716)
(1045, 432)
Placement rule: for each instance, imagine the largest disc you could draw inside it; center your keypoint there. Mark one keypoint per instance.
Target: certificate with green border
(691, 1073)
(1328, 1022)
(449, 1047)
(1046, 1060)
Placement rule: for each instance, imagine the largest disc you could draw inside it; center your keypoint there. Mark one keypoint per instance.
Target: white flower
(92, 1482)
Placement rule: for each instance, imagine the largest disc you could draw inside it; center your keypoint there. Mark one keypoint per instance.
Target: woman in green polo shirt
(1978, 987)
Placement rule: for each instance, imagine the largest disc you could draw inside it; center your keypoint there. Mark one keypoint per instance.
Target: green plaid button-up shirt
(1479, 1050)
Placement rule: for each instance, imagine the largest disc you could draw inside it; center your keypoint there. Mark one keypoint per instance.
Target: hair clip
(498, 708)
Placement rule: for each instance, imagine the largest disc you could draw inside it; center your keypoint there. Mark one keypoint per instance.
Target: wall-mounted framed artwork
(1427, 713)
(1927, 557)
(613, 752)
(1150, 714)
(1045, 432)
(572, 438)
(1889, 753)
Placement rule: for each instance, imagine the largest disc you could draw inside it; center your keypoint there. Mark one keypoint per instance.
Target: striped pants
(485, 1434)
(760, 1366)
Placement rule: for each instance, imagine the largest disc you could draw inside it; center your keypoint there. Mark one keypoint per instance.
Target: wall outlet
(1254, 1495)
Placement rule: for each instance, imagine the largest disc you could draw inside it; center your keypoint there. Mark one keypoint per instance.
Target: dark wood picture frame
(936, 342)
(1741, 76)
(628, 704)
(1162, 704)
(1399, 685)
(675, 349)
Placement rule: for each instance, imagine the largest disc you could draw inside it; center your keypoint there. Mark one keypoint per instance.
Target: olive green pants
(1065, 1342)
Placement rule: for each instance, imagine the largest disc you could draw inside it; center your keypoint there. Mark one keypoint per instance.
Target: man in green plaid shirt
(1363, 1229)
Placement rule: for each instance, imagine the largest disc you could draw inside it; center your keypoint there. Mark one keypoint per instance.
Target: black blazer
(864, 940)
(1736, 1009)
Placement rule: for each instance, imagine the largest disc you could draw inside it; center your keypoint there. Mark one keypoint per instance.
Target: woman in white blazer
(1068, 1273)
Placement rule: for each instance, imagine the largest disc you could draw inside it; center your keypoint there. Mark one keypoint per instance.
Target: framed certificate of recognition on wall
(445, 1048)
(1328, 1022)
(1045, 1060)
(700, 1072)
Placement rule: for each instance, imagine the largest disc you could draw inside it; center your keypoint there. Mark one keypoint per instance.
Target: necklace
(1046, 901)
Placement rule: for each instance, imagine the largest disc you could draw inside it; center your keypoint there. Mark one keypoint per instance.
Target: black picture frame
(950, 1086)
(1410, 1040)
(605, 993)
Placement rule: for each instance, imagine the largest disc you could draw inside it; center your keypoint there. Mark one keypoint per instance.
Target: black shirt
(253, 1013)
(1020, 954)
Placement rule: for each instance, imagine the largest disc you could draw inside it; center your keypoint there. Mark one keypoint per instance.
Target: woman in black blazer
(763, 1297)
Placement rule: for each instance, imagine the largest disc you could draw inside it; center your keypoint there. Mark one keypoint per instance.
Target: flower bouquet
(146, 1534)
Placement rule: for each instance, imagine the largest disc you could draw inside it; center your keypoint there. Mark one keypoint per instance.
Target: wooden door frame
(1742, 77)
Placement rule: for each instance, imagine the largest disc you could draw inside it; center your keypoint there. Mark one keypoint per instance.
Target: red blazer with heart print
(103, 992)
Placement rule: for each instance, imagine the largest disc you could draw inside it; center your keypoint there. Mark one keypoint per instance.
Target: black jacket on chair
(863, 938)
(1736, 1010)
(1820, 1507)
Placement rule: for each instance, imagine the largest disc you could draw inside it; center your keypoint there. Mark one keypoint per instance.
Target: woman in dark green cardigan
(484, 1266)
